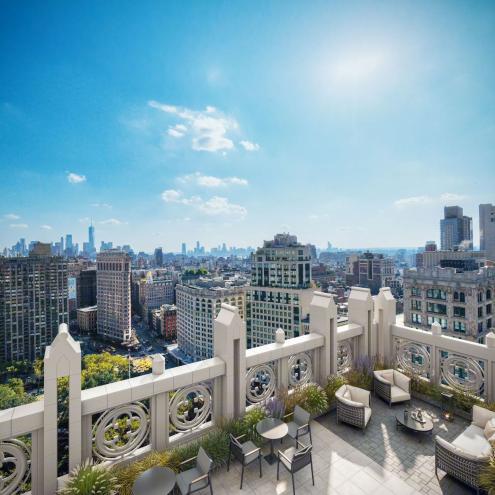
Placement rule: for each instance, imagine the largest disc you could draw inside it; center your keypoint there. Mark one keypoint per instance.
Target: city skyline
(335, 122)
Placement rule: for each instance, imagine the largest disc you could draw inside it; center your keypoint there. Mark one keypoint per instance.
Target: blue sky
(349, 122)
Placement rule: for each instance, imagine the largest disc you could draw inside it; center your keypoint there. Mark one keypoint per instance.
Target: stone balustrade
(122, 421)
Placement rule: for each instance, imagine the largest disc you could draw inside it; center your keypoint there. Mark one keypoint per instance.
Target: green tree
(100, 369)
(12, 394)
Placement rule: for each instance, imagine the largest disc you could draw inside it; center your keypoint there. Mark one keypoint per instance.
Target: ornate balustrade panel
(300, 368)
(261, 382)
(191, 407)
(345, 355)
(412, 357)
(120, 431)
(15, 465)
(463, 372)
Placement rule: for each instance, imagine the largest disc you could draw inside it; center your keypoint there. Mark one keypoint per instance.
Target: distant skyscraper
(280, 290)
(487, 230)
(86, 288)
(91, 237)
(159, 256)
(456, 229)
(69, 248)
(113, 294)
(184, 249)
(33, 302)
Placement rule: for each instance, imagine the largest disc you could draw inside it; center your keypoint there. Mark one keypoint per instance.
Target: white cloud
(112, 221)
(75, 178)
(249, 146)
(46, 227)
(215, 206)
(101, 205)
(208, 127)
(413, 200)
(222, 206)
(19, 226)
(212, 181)
(177, 131)
(452, 197)
(424, 200)
(11, 216)
(171, 196)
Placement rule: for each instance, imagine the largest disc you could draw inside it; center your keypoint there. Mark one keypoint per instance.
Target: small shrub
(334, 382)
(250, 420)
(311, 397)
(90, 479)
(487, 477)
(465, 401)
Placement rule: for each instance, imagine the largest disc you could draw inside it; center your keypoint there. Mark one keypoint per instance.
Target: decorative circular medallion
(120, 431)
(260, 383)
(190, 407)
(462, 372)
(14, 466)
(300, 369)
(413, 357)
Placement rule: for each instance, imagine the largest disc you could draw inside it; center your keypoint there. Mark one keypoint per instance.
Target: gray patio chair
(299, 426)
(198, 477)
(246, 453)
(294, 459)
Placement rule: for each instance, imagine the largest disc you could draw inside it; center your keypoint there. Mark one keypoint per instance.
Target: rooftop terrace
(171, 408)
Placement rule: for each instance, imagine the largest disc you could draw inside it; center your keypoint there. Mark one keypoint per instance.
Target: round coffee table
(155, 481)
(413, 425)
(272, 429)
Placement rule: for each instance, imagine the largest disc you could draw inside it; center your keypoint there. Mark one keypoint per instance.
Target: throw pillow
(490, 428)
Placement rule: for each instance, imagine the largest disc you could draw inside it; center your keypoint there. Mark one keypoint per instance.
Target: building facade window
(436, 308)
(416, 305)
(459, 312)
(436, 294)
(415, 318)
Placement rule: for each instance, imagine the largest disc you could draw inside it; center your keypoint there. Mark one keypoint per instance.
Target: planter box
(436, 403)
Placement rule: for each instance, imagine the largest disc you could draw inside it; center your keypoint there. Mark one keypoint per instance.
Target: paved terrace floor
(382, 461)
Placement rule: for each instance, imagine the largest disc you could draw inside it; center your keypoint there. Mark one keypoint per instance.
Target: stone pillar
(229, 344)
(323, 321)
(361, 313)
(435, 372)
(385, 316)
(490, 372)
(159, 409)
(62, 358)
(283, 363)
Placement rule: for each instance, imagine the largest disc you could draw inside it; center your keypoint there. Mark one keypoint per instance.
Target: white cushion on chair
(398, 395)
(472, 440)
(401, 380)
(387, 375)
(490, 428)
(481, 416)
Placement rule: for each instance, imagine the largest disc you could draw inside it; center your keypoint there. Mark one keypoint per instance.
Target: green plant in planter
(487, 477)
(90, 479)
(311, 397)
(465, 401)
(334, 382)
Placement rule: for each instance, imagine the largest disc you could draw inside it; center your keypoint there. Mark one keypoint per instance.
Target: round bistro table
(155, 481)
(272, 429)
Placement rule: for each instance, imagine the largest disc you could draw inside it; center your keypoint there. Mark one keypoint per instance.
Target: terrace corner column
(62, 358)
(323, 321)
(229, 344)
